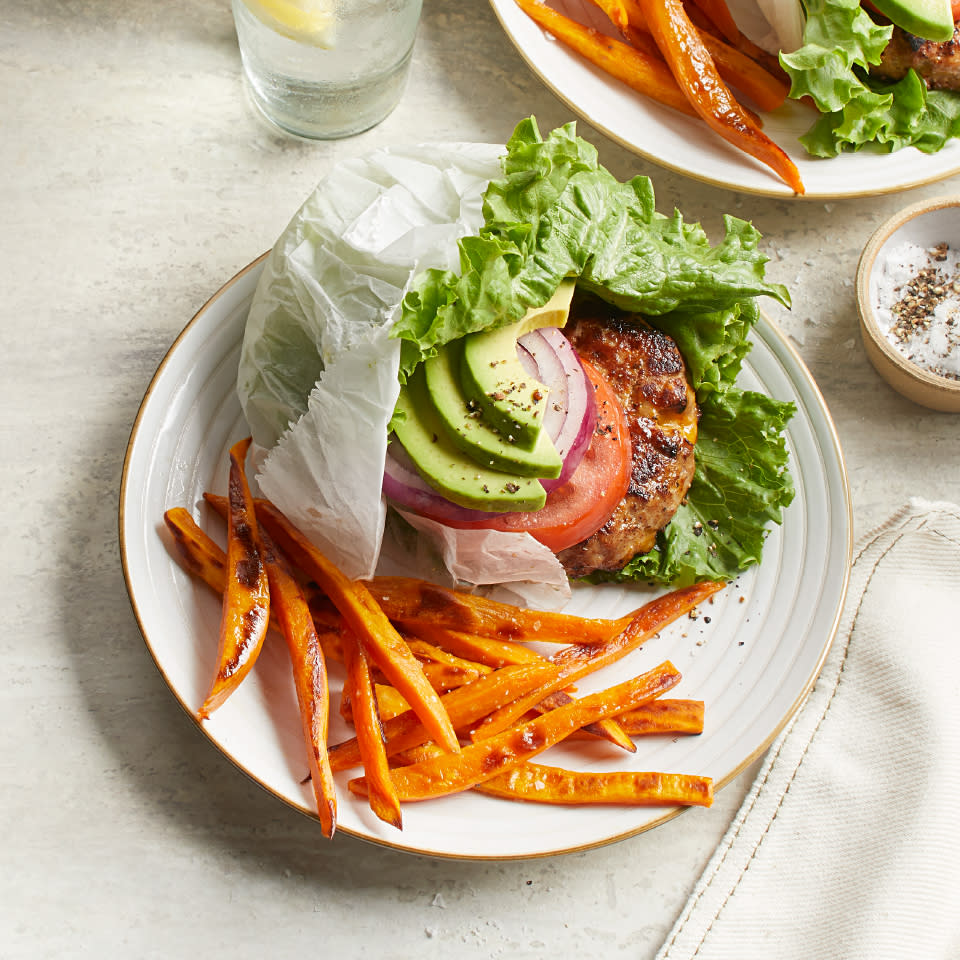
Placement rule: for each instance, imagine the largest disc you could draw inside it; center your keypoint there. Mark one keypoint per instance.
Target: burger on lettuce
(881, 72)
(508, 366)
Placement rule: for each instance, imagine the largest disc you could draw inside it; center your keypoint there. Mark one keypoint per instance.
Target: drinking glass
(325, 69)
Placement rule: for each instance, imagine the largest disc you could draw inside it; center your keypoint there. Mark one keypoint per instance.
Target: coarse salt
(918, 305)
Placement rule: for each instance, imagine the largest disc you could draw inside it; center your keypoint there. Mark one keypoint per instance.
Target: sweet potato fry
(407, 600)
(542, 784)
(464, 706)
(429, 652)
(390, 703)
(578, 660)
(664, 716)
(443, 677)
(485, 650)
(292, 614)
(204, 558)
(367, 620)
(246, 597)
(478, 762)
(366, 720)
(199, 555)
(608, 729)
(635, 68)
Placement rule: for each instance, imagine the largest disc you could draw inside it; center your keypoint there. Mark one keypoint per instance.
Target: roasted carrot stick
(615, 12)
(742, 43)
(578, 660)
(465, 706)
(204, 558)
(292, 613)
(639, 71)
(478, 762)
(736, 68)
(367, 620)
(697, 76)
(541, 784)
(767, 91)
(366, 720)
(246, 598)
(718, 13)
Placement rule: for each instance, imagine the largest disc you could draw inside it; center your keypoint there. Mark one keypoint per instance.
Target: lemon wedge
(306, 21)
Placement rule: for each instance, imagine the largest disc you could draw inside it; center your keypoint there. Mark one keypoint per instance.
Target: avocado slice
(512, 401)
(471, 433)
(927, 19)
(446, 468)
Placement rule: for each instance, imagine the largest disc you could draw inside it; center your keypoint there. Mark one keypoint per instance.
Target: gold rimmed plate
(752, 655)
(685, 144)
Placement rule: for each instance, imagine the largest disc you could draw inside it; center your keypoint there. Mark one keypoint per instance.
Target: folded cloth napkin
(848, 844)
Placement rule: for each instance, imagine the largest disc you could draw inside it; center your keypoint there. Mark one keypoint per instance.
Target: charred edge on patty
(643, 366)
(937, 63)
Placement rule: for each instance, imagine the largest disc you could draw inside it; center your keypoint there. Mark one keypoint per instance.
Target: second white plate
(686, 145)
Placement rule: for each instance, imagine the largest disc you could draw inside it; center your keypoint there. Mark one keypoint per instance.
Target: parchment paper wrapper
(318, 371)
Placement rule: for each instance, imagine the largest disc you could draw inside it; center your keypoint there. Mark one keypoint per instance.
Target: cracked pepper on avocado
(569, 384)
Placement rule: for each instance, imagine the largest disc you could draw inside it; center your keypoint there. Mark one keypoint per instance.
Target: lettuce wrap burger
(507, 365)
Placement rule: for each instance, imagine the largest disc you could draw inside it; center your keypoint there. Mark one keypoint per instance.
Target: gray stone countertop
(136, 181)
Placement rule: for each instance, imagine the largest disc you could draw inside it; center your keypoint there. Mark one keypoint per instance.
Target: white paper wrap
(318, 371)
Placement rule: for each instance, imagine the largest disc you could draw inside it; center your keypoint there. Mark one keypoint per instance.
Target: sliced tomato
(580, 507)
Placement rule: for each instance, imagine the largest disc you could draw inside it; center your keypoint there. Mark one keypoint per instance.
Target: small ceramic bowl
(927, 224)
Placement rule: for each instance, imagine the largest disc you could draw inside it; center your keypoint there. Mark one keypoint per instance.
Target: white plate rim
(771, 335)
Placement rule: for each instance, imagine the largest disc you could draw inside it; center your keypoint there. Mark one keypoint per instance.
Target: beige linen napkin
(848, 845)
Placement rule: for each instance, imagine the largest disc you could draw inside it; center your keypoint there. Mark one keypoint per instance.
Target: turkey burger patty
(646, 371)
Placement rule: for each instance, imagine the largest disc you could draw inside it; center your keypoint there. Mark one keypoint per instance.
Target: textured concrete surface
(136, 181)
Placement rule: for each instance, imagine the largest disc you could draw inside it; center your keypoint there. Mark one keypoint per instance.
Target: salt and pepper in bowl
(908, 297)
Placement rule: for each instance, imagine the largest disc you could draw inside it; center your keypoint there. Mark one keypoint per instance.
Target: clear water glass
(337, 70)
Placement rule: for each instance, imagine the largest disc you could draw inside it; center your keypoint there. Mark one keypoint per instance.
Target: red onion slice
(403, 484)
(571, 413)
(569, 419)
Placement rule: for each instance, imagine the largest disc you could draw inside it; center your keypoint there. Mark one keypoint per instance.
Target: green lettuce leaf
(838, 37)
(889, 116)
(841, 41)
(557, 213)
(741, 486)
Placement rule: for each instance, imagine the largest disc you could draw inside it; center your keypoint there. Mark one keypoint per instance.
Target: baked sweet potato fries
(440, 686)
(687, 55)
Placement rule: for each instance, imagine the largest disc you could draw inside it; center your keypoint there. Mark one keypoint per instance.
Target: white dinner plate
(685, 144)
(752, 654)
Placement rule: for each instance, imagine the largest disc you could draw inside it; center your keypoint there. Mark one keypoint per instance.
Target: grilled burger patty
(937, 63)
(645, 369)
